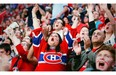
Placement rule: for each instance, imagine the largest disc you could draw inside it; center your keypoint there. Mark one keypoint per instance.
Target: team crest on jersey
(52, 57)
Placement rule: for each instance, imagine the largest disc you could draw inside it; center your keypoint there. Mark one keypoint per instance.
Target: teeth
(101, 64)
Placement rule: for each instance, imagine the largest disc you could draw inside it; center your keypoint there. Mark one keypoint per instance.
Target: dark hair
(6, 47)
(109, 6)
(63, 23)
(11, 43)
(106, 21)
(108, 48)
(58, 46)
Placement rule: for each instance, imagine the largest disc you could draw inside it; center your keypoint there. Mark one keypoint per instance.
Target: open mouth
(101, 64)
(107, 27)
(56, 25)
(82, 33)
(52, 39)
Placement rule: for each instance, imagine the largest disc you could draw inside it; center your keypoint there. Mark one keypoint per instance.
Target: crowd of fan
(58, 37)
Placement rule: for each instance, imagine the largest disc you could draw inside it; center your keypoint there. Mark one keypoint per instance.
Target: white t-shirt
(110, 41)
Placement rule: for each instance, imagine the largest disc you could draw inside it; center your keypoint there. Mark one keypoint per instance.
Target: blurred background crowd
(83, 21)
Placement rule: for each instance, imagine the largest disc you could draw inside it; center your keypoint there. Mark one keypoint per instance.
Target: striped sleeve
(37, 37)
(69, 40)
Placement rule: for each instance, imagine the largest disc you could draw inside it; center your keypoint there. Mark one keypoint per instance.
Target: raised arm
(36, 23)
(111, 18)
(42, 12)
(75, 22)
(62, 12)
(76, 47)
(89, 10)
(17, 44)
(31, 56)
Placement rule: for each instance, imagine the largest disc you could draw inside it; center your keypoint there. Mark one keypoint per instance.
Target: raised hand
(27, 30)
(65, 31)
(75, 21)
(10, 33)
(87, 42)
(13, 37)
(35, 8)
(76, 47)
(103, 6)
(90, 7)
(77, 36)
(45, 31)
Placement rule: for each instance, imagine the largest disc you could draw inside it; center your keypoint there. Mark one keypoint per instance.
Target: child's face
(104, 60)
(53, 40)
(58, 24)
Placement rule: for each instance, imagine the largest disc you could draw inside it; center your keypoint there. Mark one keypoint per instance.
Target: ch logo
(53, 57)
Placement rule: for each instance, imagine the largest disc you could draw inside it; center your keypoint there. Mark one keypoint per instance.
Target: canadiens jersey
(50, 60)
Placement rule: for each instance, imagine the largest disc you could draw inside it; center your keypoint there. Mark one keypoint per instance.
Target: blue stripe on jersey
(41, 57)
(69, 40)
(64, 59)
(36, 40)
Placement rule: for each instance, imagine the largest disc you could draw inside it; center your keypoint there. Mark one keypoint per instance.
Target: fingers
(86, 38)
(10, 32)
(77, 36)
(65, 31)
(77, 49)
(87, 42)
(35, 8)
(75, 43)
(79, 45)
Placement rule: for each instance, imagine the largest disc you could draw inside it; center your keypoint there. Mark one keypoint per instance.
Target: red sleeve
(114, 46)
(73, 32)
(22, 52)
(68, 26)
(64, 46)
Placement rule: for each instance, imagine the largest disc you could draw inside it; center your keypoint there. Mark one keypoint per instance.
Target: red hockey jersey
(50, 60)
